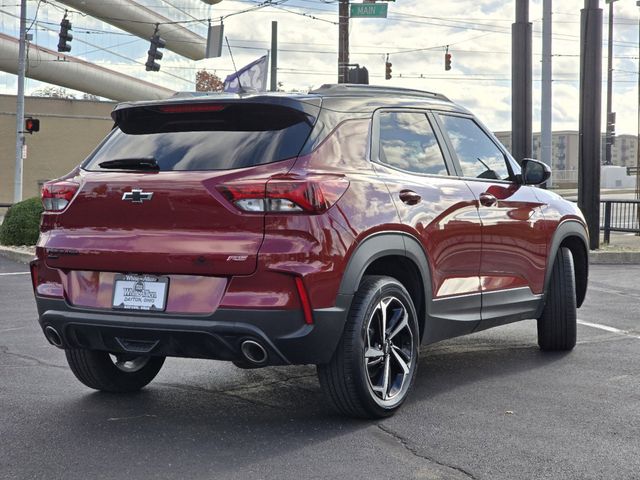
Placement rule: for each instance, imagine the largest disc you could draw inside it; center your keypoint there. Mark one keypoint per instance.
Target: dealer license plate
(140, 292)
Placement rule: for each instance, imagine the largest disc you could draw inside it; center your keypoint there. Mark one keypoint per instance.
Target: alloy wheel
(389, 351)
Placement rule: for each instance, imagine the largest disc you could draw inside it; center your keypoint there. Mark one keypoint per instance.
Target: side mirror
(534, 172)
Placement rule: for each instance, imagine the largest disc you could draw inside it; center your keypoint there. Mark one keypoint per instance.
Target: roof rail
(355, 89)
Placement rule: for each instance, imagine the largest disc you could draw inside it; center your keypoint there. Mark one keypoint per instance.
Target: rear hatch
(149, 197)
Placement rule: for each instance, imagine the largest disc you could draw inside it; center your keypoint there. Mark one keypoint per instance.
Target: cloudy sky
(415, 36)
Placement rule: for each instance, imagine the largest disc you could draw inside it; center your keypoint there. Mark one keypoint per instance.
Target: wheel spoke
(375, 362)
(404, 323)
(401, 361)
(383, 319)
(372, 352)
(385, 378)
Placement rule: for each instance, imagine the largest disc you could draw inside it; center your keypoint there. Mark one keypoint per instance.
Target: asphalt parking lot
(487, 406)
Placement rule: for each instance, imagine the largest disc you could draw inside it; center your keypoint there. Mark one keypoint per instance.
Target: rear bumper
(283, 333)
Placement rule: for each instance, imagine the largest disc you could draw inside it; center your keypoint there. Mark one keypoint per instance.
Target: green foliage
(21, 225)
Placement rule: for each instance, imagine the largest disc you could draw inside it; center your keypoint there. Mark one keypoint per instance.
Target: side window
(479, 157)
(407, 142)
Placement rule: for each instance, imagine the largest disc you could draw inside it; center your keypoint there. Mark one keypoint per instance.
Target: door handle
(487, 200)
(410, 197)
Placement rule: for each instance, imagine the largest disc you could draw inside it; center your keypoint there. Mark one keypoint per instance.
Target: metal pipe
(638, 138)
(546, 107)
(70, 72)
(274, 56)
(254, 352)
(609, 136)
(141, 21)
(17, 178)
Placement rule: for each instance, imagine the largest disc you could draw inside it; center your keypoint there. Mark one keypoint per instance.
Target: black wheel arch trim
(384, 244)
(565, 230)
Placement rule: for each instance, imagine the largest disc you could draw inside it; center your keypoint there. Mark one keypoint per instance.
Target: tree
(208, 82)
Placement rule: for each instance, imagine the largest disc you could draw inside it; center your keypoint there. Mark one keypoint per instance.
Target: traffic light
(447, 61)
(31, 125)
(611, 126)
(64, 35)
(153, 53)
(387, 72)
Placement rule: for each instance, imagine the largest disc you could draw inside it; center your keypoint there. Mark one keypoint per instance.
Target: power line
(98, 47)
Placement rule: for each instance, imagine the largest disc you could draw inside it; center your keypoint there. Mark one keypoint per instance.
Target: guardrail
(619, 216)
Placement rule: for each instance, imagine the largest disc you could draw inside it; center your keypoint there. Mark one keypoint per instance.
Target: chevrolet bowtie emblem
(137, 196)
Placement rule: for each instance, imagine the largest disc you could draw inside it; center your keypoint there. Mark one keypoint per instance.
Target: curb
(16, 255)
(614, 258)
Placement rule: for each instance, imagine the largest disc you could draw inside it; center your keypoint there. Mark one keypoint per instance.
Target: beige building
(69, 131)
(564, 155)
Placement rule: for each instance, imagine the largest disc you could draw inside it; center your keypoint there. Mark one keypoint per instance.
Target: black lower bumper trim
(283, 333)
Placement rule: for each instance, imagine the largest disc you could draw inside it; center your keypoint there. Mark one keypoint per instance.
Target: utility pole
(590, 117)
(521, 93)
(343, 41)
(638, 140)
(546, 117)
(17, 179)
(610, 115)
(274, 56)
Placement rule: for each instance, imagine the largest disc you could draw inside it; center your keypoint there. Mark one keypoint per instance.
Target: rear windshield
(236, 136)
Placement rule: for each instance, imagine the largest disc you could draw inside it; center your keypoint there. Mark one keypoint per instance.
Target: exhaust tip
(53, 336)
(254, 352)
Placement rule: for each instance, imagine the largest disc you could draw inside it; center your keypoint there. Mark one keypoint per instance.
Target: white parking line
(607, 328)
(13, 273)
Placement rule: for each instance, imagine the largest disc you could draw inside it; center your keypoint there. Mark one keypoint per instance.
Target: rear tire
(558, 324)
(99, 371)
(375, 363)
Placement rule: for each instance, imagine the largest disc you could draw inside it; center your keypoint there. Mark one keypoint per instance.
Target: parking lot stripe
(13, 273)
(607, 328)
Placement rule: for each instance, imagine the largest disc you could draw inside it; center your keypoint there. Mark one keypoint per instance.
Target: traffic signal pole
(343, 41)
(546, 100)
(274, 56)
(610, 121)
(17, 181)
(590, 117)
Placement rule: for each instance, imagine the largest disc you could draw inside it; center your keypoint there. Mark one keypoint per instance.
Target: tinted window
(479, 157)
(407, 142)
(235, 137)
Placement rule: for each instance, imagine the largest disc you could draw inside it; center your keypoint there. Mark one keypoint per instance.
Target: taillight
(283, 195)
(56, 195)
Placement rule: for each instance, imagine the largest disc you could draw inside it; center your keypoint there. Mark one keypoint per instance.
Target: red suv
(342, 228)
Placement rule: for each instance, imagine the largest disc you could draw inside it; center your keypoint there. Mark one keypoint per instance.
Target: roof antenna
(240, 87)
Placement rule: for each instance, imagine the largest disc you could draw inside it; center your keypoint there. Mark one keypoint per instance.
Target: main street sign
(368, 10)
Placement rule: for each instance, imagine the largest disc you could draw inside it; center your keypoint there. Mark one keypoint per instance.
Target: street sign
(368, 10)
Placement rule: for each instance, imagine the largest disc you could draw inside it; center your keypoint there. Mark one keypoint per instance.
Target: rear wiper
(131, 164)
